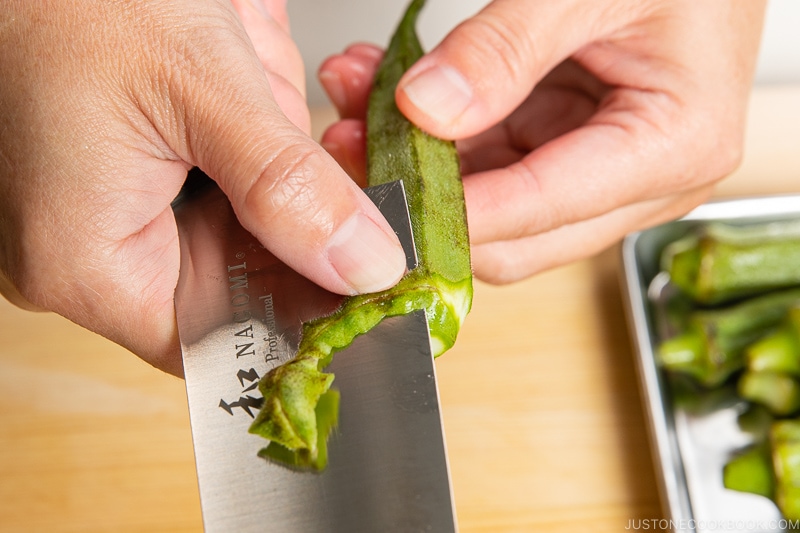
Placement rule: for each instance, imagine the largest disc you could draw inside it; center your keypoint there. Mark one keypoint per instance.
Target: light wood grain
(544, 424)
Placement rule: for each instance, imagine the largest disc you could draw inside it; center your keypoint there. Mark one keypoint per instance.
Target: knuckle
(285, 187)
(716, 138)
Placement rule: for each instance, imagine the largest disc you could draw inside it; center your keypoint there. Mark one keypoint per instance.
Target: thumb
(285, 189)
(490, 63)
(294, 198)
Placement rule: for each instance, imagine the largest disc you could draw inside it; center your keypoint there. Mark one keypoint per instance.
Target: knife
(239, 311)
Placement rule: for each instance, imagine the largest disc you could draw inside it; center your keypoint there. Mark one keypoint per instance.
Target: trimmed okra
(773, 368)
(771, 469)
(712, 345)
(750, 471)
(297, 414)
(779, 393)
(780, 350)
(721, 262)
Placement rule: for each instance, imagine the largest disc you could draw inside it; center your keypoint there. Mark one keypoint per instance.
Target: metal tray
(691, 444)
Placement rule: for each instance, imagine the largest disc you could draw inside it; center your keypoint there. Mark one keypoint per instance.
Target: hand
(104, 106)
(577, 122)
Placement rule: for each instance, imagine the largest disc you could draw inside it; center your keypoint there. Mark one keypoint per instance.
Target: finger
(277, 10)
(287, 190)
(271, 40)
(490, 63)
(347, 79)
(263, 9)
(290, 101)
(346, 142)
(625, 154)
(503, 262)
(564, 100)
(296, 200)
(268, 32)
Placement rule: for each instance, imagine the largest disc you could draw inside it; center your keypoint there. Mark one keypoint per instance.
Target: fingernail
(334, 86)
(441, 92)
(365, 256)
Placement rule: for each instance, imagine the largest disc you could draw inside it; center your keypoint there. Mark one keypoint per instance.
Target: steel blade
(239, 313)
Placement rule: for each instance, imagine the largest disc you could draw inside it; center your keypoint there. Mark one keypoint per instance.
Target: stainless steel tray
(691, 443)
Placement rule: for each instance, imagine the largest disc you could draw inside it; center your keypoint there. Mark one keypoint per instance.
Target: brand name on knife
(244, 336)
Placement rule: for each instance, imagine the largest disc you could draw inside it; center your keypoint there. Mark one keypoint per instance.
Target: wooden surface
(541, 406)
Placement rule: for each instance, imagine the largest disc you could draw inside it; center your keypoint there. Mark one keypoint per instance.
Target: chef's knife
(240, 312)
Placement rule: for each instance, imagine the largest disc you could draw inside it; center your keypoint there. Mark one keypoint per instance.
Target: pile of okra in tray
(732, 319)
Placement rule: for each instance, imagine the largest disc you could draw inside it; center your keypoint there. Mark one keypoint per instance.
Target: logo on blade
(245, 402)
(244, 337)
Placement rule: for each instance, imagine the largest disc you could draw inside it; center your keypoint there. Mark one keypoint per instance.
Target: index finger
(626, 153)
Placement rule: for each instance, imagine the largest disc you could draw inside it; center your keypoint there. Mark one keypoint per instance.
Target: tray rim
(672, 486)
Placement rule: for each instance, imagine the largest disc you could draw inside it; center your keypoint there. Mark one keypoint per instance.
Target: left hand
(577, 122)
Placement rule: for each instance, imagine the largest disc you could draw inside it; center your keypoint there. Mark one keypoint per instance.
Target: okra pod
(751, 471)
(441, 284)
(785, 444)
(780, 350)
(771, 469)
(719, 262)
(772, 378)
(779, 393)
(712, 345)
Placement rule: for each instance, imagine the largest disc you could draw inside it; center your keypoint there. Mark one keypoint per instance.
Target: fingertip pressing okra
(298, 410)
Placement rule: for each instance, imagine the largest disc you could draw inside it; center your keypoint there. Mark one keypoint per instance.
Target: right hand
(104, 106)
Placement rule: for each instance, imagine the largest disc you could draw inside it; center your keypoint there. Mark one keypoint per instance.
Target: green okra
(750, 471)
(441, 284)
(771, 469)
(785, 444)
(772, 378)
(779, 393)
(719, 262)
(711, 347)
(780, 350)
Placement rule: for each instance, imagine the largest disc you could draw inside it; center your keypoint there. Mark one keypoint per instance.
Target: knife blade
(240, 312)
